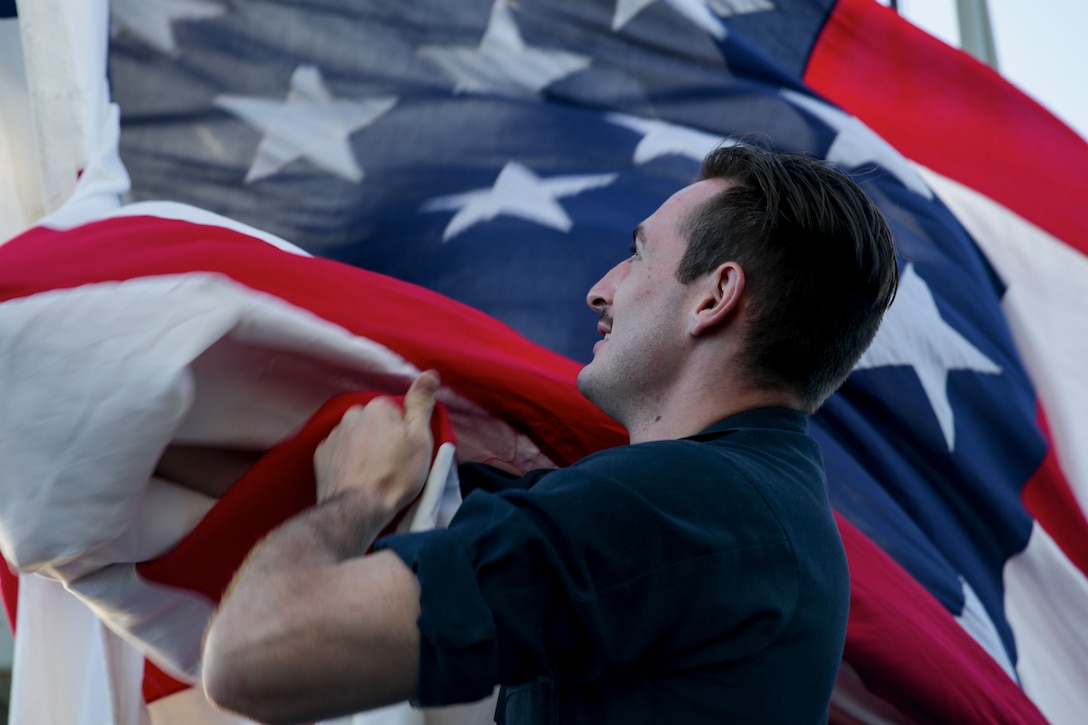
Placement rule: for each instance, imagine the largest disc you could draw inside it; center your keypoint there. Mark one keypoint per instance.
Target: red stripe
(158, 684)
(9, 588)
(911, 653)
(527, 386)
(950, 113)
(1051, 501)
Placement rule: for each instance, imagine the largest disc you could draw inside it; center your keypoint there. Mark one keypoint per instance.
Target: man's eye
(633, 249)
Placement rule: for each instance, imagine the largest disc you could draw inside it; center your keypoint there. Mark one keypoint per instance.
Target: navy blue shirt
(699, 580)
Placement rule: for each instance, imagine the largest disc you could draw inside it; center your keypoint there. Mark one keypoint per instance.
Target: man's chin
(588, 382)
(591, 388)
(583, 381)
(588, 392)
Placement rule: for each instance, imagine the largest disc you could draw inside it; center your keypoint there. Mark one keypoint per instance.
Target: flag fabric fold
(499, 153)
(134, 332)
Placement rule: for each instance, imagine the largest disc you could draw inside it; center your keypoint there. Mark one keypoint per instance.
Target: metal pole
(976, 34)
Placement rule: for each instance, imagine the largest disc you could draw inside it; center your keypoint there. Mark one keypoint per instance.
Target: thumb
(420, 398)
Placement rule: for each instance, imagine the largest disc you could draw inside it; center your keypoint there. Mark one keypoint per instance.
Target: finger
(347, 421)
(351, 415)
(420, 398)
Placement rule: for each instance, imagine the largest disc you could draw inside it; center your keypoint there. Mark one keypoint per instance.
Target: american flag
(499, 152)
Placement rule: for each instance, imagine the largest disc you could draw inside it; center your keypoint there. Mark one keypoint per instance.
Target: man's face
(643, 309)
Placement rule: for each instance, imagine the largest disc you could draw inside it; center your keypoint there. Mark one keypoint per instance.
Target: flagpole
(976, 34)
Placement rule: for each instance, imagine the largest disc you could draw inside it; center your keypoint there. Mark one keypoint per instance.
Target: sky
(1041, 47)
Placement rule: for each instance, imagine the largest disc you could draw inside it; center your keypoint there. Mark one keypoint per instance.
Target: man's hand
(381, 449)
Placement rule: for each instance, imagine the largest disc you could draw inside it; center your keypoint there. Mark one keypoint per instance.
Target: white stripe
(66, 661)
(165, 622)
(441, 494)
(64, 43)
(1047, 308)
(976, 621)
(20, 185)
(1046, 603)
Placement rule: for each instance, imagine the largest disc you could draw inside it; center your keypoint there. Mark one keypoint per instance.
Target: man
(695, 576)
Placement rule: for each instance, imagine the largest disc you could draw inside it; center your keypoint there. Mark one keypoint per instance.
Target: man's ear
(720, 296)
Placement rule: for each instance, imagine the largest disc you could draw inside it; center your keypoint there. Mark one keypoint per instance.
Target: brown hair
(818, 258)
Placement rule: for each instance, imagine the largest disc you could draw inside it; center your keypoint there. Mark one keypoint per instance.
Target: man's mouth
(604, 326)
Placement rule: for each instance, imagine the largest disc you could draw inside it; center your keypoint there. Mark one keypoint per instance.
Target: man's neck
(685, 416)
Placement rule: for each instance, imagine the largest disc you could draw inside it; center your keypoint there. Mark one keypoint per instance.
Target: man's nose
(597, 302)
(600, 295)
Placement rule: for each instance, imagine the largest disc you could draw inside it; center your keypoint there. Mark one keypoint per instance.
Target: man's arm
(310, 628)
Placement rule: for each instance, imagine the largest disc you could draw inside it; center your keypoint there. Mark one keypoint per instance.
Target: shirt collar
(777, 418)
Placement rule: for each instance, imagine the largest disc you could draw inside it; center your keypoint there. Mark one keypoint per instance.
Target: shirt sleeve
(611, 564)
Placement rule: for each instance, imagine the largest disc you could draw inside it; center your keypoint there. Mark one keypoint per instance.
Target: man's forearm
(341, 528)
(268, 656)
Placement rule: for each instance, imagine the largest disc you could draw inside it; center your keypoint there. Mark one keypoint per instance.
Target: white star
(726, 8)
(309, 124)
(913, 333)
(856, 144)
(503, 63)
(153, 20)
(696, 11)
(660, 138)
(517, 192)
